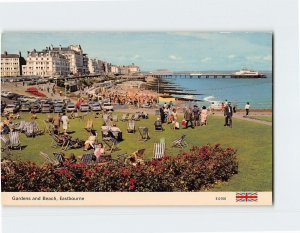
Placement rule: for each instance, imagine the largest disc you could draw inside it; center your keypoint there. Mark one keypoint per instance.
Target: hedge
(196, 170)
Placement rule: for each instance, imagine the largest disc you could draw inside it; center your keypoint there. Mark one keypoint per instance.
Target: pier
(206, 75)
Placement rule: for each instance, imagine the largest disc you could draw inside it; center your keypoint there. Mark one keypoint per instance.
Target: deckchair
(158, 150)
(14, 140)
(136, 117)
(158, 125)
(109, 140)
(89, 125)
(47, 158)
(4, 143)
(144, 133)
(115, 118)
(20, 127)
(29, 129)
(88, 158)
(179, 142)
(57, 141)
(131, 126)
(37, 130)
(59, 157)
(125, 117)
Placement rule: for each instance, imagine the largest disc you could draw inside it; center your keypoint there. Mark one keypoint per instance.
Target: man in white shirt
(247, 108)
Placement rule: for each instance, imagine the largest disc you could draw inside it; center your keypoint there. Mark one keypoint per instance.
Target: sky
(176, 51)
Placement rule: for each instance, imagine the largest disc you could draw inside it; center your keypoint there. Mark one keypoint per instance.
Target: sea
(256, 91)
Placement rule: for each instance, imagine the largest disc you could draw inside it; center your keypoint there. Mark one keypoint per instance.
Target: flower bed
(34, 91)
(195, 170)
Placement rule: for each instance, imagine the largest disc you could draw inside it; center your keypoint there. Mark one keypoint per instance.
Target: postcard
(137, 118)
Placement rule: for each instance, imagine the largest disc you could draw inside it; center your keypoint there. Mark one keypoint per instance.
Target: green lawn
(263, 118)
(253, 142)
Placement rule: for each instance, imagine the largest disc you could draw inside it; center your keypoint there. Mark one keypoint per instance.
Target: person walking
(196, 113)
(203, 116)
(65, 120)
(228, 112)
(188, 116)
(247, 108)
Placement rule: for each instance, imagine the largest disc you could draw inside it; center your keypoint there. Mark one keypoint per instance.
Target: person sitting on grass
(90, 142)
(99, 150)
(134, 159)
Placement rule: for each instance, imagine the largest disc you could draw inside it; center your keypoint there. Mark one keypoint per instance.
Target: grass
(253, 142)
(263, 118)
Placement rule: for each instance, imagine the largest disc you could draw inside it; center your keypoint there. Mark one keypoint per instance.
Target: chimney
(59, 47)
(5, 53)
(20, 54)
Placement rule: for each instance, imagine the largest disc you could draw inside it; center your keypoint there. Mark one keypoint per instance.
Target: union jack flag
(246, 197)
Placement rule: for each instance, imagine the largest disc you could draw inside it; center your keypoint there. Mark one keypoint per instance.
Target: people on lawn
(90, 142)
(203, 116)
(65, 122)
(228, 112)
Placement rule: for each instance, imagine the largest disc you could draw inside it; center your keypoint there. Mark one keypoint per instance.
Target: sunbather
(90, 142)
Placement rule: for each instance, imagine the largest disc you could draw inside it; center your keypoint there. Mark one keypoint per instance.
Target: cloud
(206, 59)
(231, 56)
(173, 57)
(267, 58)
(260, 58)
(136, 56)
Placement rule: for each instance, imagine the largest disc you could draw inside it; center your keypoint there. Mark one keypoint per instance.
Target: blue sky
(177, 51)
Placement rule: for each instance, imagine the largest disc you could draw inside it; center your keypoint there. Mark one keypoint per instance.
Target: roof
(10, 56)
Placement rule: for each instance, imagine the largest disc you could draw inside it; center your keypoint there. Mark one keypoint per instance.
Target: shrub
(196, 170)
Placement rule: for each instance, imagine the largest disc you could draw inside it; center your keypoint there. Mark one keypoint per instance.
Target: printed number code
(221, 198)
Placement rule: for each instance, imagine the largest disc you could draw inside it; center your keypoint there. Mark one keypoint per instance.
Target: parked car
(58, 108)
(46, 108)
(107, 107)
(35, 108)
(96, 107)
(25, 107)
(5, 93)
(70, 107)
(84, 107)
(11, 95)
(11, 108)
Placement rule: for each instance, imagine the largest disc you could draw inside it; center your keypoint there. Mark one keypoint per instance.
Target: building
(133, 69)
(11, 64)
(77, 60)
(46, 63)
(93, 66)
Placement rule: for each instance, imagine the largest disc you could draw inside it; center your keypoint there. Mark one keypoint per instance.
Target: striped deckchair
(125, 117)
(20, 127)
(88, 158)
(131, 126)
(4, 143)
(159, 150)
(59, 157)
(14, 140)
(89, 125)
(29, 129)
(47, 158)
(179, 142)
(144, 133)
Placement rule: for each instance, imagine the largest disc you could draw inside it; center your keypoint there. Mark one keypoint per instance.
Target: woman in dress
(204, 116)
